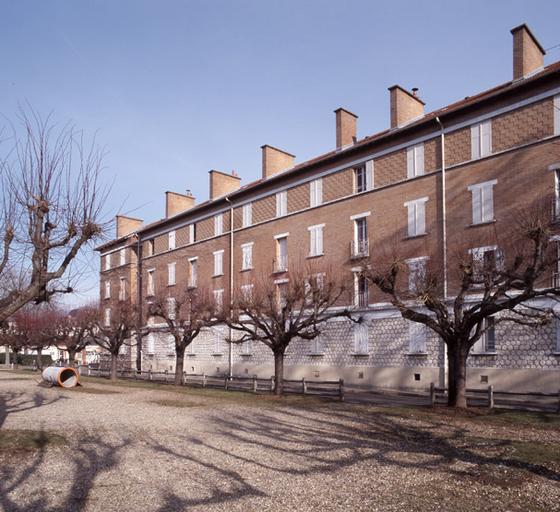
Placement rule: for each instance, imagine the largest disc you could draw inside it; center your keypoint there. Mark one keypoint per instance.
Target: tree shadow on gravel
(92, 456)
(20, 401)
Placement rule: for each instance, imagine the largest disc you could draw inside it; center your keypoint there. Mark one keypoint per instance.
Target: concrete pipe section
(63, 377)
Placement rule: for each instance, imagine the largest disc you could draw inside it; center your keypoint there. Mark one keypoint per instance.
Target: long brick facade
(507, 138)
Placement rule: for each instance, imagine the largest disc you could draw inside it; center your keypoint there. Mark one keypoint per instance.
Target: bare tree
(507, 280)
(50, 209)
(275, 314)
(185, 315)
(115, 332)
(74, 331)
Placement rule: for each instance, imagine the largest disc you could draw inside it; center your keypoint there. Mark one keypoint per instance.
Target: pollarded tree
(50, 210)
(184, 316)
(276, 314)
(74, 331)
(506, 279)
(114, 329)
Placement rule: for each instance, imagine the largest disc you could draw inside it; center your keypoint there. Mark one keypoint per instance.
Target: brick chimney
(176, 203)
(222, 183)
(275, 160)
(405, 106)
(528, 54)
(127, 225)
(346, 124)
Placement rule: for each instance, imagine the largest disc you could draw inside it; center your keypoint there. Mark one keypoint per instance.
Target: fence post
(341, 389)
(226, 383)
(491, 397)
(150, 373)
(88, 371)
(432, 394)
(255, 384)
(184, 378)
(304, 385)
(203, 380)
(272, 383)
(165, 376)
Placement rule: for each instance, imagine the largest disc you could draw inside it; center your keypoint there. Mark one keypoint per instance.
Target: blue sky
(176, 88)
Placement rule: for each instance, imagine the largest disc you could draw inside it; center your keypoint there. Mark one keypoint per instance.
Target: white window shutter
(319, 241)
(486, 138)
(419, 159)
(475, 141)
(487, 203)
(417, 337)
(410, 162)
(319, 192)
(411, 219)
(556, 105)
(312, 194)
(369, 175)
(420, 217)
(476, 205)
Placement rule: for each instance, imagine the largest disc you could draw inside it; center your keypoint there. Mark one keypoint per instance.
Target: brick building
(432, 180)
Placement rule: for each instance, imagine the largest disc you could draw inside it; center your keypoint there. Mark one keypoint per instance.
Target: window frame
(281, 203)
(482, 196)
(415, 161)
(193, 272)
(316, 193)
(414, 207)
(480, 149)
(171, 240)
(219, 224)
(316, 240)
(247, 256)
(218, 258)
(247, 215)
(172, 273)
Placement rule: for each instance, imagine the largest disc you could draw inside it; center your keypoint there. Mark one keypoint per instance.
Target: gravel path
(153, 449)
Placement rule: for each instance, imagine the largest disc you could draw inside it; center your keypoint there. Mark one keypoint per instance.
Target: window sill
(217, 275)
(479, 354)
(191, 287)
(191, 355)
(556, 353)
(217, 354)
(244, 355)
(171, 284)
(317, 354)
(246, 269)
(280, 271)
(360, 354)
(412, 237)
(311, 256)
(485, 223)
(417, 354)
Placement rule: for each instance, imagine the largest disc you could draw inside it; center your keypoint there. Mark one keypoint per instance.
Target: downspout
(443, 377)
(139, 303)
(230, 354)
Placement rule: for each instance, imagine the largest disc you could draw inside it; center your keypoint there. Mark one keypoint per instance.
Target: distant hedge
(26, 359)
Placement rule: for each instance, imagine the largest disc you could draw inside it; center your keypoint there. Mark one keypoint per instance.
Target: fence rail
(303, 386)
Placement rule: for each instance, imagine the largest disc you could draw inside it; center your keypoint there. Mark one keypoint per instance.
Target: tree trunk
(7, 356)
(39, 359)
(71, 356)
(457, 378)
(179, 364)
(278, 373)
(114, 361)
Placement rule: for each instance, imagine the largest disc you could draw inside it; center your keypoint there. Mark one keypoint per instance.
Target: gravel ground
(134, 448)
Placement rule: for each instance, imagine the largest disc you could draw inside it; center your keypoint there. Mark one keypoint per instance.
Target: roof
(452, 108)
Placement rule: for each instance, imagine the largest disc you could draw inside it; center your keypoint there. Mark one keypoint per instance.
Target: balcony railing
(556, 279)
(361, 299)
(359, 249)
(280, 264)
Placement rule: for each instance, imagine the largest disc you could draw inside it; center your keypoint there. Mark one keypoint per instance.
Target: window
(281, 203)
(313, 285)
(107, 262)
(217, 341)
(481, 139)
(556, 105)
(107, 289)
(487, 342)
(193, 272)
(360, 244)
(219, 299)
(171, 308)
(482, 201)
(557, 332)
(317, 346)
(107, 317)
(247, 215)
(171, 240)
(485, 259)
(363, 177)
(416, 338)
(247, 292)
(281, 261)
(151, 344)
(361, 292)
(247, 256)
(151, 282)
(316, 240)
(218, 224)
(150, 247)
(416, 273)
(171, 273)
(247, 348)
(316, 192)
(218, 263)
(360, 333)
(122, 288)
(282, 290)
(415, 160)
(122, 256)
(192, 233)
(191, 350)
(557, 192)
(416, 217)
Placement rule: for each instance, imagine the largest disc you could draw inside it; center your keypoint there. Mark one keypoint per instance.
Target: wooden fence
(334, 389)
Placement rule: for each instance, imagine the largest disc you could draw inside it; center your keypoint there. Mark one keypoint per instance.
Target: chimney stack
(176, 203)
(346, 124)
(127, 225)
(222, 183)
(405, 105)
(528, 54)
(275, 160)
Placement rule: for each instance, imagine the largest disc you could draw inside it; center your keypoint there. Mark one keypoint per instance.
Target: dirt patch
(175, 403)
(12, 441)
